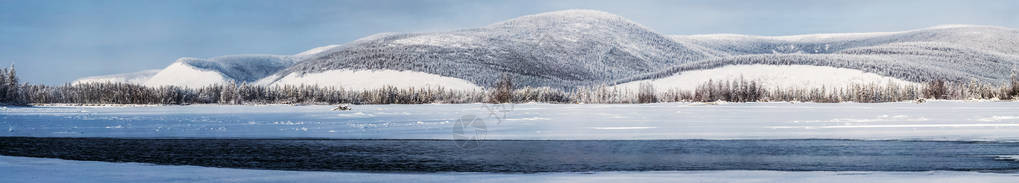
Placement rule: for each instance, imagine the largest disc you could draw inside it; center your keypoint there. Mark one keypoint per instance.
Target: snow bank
(373, 79)
(183, 75)
(771, 76)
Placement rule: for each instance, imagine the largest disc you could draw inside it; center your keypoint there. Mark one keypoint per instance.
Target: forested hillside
(581, 56)
(572, 49)
(13, 92)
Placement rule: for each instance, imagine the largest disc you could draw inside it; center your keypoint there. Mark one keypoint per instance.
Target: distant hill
(197, 72)
(571, 48)
(139, 77)
(558, 49)
(952, 52)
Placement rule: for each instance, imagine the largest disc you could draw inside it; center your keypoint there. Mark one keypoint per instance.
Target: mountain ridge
(576, 48)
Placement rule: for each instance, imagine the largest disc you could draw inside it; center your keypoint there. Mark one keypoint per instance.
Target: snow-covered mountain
(134, 78)
(197, 72)
(954, 52)
(565, 49)
(559, 49)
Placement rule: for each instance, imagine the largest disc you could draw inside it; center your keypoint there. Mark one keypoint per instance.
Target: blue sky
(53, 42)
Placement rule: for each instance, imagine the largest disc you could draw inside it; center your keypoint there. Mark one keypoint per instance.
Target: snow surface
(936, 120)
(184, 75)
(133, 78)
(40, 170)
(770, 76)
(373, 79)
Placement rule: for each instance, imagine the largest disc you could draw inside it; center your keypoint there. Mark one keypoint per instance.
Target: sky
(57, 41)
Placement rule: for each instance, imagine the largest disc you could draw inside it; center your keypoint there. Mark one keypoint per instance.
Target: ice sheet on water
(941, 120)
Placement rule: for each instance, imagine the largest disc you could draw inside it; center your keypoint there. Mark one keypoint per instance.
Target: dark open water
(529, 156)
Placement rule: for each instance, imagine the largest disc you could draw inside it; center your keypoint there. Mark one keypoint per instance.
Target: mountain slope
(558, 49)
(197, 72)
(134, 78)
(770, 76)
(573, 48)
(987, 38)
(957, 53)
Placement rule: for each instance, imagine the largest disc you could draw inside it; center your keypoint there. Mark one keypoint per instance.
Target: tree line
(13, 92)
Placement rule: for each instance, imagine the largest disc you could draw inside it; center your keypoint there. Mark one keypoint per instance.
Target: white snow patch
(183, 75)
(771, 76)
(374, 79)
(998, 118)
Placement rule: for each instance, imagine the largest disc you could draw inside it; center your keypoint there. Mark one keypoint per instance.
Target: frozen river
(945, 120)
(948, 141)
